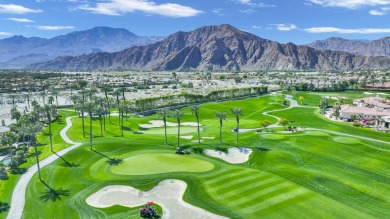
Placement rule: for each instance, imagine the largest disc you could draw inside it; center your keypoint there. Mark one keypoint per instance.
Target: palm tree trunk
(122, 122)
(220, 131)
(104, 122)
(36, 156)
(238, 130)
(90, 132)
(10, 151)
(165, 129)
(82, 121)
(197, 120)
(178, 135)
(101, 126)
(50, 137)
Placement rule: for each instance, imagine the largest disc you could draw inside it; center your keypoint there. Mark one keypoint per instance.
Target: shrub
(356, 124)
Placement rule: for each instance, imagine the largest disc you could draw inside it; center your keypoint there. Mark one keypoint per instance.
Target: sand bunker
(160, 123)
(234, 155)
(208, 137)
(168, 194)
(368, 93)
(189, 137)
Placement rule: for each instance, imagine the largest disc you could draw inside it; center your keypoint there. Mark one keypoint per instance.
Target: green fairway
(325, 170)
(145, 164)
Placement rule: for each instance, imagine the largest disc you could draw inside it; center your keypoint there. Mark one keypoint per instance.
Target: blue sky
(297, 21)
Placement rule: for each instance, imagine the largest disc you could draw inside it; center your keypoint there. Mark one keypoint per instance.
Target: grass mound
(346, 140)
(273, 137)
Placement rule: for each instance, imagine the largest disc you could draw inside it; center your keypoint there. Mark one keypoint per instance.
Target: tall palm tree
(49, 111)
(32, 130)
(91, 92)
(55, 93)
(43, 95)
(105, 89)
(195, 110)
(237, 112)
(177, 114)
(90, 108)
(28, 96)
(164, 113)
(13, 96)
(75, 98)
(8, 138)
(117, 93)
(221, 116)
(100, 111)
(123, 90)
(81, 107)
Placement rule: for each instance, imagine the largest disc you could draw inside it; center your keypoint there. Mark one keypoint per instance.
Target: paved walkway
(19, 193)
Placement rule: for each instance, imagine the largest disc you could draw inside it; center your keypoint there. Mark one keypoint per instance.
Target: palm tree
(221, 116)
(8, 138)
(81, 107)
(101, 111)
(31, 130)
(237, 112)
(28, 96)
(195, 110)
(91, 92)
(43, 95)
(164, 113)
(50, 100)
(117, 93)
(105, 89)
(122, 90)
(75, 99)
(177, 114)
(55, 93)
(90, 108)
(13, 96)
(49, 111)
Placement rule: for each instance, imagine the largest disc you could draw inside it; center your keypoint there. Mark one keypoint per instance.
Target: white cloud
(351, 4)
(379, 12)
(54, 27)
(218, 11)
(346, 31)
(253, 4)
(5, 34)
(285, 27)
(247, 11)
(16, 9)
(20, 20)
(256, 27)
(119, 7)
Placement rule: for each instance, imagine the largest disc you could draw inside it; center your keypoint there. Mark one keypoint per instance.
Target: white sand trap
(160, 123)
(196, 141)
(168, 194)
(246, 130)
(189, 137)
(208, 137)
(374, 93)
(234, 155)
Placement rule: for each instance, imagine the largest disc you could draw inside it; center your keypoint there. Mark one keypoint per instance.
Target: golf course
(325, 169)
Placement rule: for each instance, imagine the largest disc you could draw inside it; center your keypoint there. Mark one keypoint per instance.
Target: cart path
(19, 192)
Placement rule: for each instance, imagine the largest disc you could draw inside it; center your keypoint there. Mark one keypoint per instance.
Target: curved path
(294, 103)
(19, 193)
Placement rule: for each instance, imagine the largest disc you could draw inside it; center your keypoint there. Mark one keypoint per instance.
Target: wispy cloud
(120, 7)
(253, 4)
(247, 11)
(380, 11)
(54, 27)
(256, 27)
(16, 9)
(20, 20)
(351, 4)
(218, 11)
(285, 27)
(346, 31)
(5, 33)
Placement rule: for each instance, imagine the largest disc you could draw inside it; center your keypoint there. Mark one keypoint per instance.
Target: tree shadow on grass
(4, 206)
(111, 161)
(66, 163)
(51, 194)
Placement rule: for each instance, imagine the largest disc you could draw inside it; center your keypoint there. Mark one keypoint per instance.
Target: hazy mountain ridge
(379, 47)
(94, 40)
(214, 48)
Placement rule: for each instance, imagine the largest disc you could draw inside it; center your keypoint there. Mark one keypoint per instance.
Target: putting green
(170, 130)
(145, 164)
(346, 140)
(316, 133)
(273, 137)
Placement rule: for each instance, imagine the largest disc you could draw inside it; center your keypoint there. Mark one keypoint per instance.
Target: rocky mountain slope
(380, 47)
(19, 51)
(213, 48)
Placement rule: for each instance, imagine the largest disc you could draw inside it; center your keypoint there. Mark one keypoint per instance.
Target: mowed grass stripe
(285, 194)
(249, 189)
(228, 177)
(260, 194)
(242, 184)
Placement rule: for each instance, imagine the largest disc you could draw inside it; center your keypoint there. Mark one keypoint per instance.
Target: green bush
(356, 124)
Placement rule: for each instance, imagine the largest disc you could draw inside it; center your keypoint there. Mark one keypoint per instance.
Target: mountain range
(379, 47)
(221, 47)
(19, 51)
